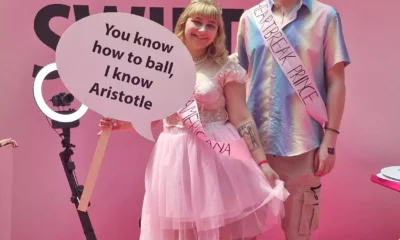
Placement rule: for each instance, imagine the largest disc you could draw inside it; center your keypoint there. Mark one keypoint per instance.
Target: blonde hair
(210, 9)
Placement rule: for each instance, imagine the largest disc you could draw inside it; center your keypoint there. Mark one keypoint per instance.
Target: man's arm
(336, 58)
(241, 48)
(336, 95)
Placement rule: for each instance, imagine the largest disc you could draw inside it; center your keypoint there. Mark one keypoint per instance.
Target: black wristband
(331, 129)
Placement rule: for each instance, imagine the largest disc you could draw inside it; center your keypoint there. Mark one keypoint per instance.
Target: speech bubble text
(126, 67)
(137, 38)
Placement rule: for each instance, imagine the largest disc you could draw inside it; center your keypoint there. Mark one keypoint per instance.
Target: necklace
(200, 63)
(200, 59)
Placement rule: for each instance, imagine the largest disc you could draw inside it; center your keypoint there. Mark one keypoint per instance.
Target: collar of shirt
(292, 15)
(307, 3)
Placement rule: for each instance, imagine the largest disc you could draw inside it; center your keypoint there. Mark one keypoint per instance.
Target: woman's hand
(8, 141)
(115, 124)
(108, 122)
(270, 174)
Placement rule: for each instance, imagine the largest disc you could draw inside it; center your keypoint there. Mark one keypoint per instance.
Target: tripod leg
(69, 167)
(87, 226)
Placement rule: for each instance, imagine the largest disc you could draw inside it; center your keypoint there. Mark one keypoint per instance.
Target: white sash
(290, 63)
(190, 117)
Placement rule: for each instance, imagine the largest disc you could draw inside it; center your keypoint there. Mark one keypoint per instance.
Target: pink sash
(190, 117)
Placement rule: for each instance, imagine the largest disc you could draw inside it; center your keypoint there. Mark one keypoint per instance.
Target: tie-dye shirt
(314, 29)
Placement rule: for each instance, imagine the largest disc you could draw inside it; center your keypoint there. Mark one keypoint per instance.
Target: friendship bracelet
(262, 162)
(333, 130)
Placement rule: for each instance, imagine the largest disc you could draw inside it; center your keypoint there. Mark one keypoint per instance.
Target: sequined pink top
(209, 94)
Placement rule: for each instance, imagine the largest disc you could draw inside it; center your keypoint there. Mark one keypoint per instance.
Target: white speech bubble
(126, 67)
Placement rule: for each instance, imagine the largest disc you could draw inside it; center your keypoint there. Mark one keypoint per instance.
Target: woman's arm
(240, 117)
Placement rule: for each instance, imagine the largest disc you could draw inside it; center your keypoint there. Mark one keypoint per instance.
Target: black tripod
(62, 100)
(76, 189)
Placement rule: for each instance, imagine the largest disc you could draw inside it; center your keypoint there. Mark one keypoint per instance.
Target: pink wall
(353, 208)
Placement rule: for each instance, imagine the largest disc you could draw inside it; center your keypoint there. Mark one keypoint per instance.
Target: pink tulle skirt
(193, 193)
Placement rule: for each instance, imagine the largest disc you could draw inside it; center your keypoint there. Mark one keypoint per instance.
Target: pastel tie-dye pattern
(314, 29)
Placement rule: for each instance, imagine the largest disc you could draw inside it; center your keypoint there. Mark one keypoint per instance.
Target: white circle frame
(37, 94)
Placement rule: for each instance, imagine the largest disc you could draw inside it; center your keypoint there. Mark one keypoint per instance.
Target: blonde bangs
(201, 9)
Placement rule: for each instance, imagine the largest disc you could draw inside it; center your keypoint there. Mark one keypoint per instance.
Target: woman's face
(200, 32)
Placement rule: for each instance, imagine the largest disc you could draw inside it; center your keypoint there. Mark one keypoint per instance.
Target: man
(293, 97)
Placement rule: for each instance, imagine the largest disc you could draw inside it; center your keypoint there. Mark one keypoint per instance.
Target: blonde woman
(192, 192)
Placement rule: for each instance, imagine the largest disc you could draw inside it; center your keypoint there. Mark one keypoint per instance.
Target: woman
(192, 192)
(5, 142)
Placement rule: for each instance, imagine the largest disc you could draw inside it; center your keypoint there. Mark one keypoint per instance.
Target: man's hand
(324, 159)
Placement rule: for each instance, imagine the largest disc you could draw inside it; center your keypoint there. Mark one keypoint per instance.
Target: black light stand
(63, 99)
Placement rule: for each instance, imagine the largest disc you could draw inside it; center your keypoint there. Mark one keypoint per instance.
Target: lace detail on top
(209, 94)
